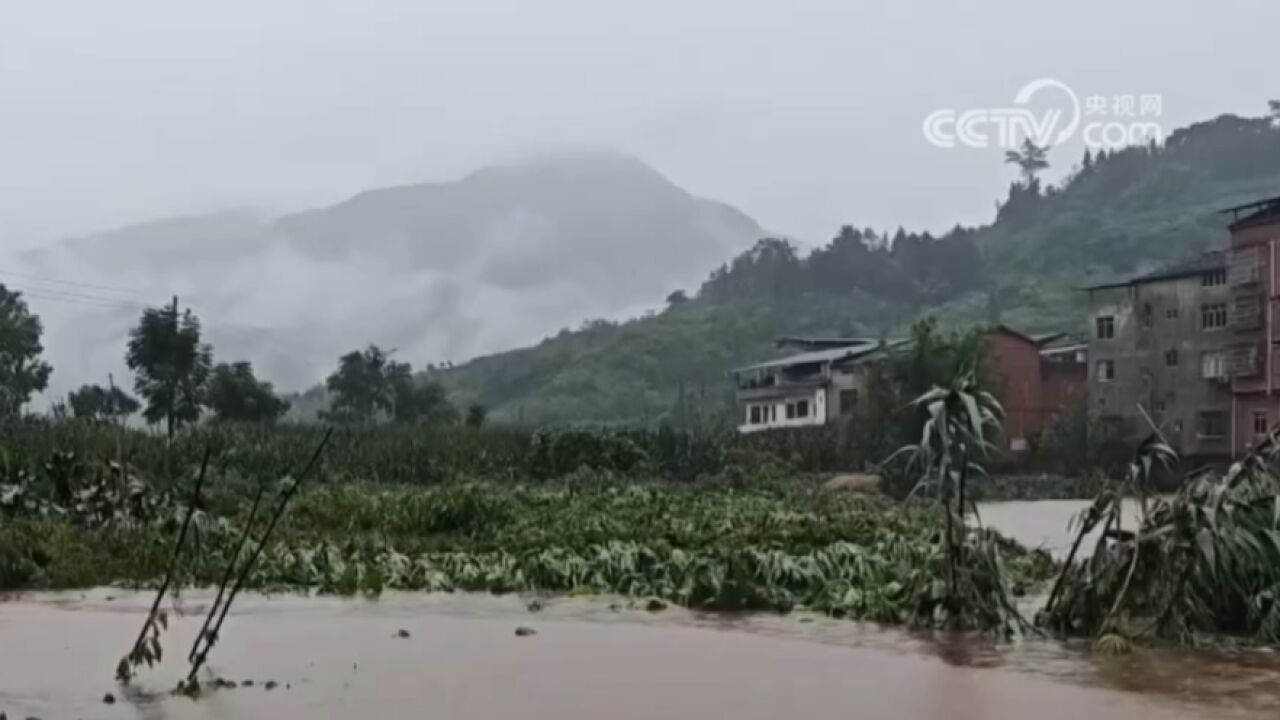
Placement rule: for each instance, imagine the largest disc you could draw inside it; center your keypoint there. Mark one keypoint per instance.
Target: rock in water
(523, 631)
(109, 699)
(535, 605)
(270, 685)
(402, 633)
(655, 604)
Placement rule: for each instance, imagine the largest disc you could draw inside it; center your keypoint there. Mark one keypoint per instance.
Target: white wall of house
(785, 412)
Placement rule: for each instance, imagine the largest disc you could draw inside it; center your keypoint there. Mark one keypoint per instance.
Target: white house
(824, 384)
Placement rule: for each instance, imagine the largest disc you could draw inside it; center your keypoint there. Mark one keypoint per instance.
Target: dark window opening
(1171, 357)
(848, 401)
(1213, 316)
(1105, 326)
(1106, 370)
(1213, 278)
(1260, 422)
(1211, 424)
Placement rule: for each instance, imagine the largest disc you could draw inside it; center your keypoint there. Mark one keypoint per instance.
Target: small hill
(1115, 214)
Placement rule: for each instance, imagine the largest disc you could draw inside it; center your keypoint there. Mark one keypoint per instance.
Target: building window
(1213, 316)
(1105, 327)
(797, 409)
(1106, 371)
(1158, 406)
(1213, 278)
(848, 401)
(1171, 313)
(1260, 422)
(1148, 315)
(1213, 366)
(1171, 357)
(1211, 424)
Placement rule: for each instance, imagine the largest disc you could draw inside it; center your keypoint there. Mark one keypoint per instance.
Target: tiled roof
(1186, 267)
(815, 356)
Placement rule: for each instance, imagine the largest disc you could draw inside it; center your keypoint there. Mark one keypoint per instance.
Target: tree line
(177, 382)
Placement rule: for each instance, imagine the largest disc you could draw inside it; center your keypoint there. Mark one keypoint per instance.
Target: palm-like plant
(953, 443)
(1030, 159)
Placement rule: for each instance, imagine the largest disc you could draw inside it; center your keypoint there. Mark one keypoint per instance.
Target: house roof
(1064, 349)
(1038, 339)
(1263, 212)
(1255, 205)
(821, 343)
(1186, 267)
(816, 356)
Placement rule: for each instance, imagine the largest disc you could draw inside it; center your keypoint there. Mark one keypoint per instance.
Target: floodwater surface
(336, 658)
(1044, 524)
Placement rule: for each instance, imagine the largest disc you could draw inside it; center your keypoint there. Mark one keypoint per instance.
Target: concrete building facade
(1193, 346)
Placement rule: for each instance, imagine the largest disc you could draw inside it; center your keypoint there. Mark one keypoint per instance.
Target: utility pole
(171, 394)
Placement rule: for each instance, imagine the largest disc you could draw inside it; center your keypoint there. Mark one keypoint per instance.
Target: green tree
(235, 394)
(94, 402)
(360, 387)
(416, 400)
(22, 372)
(1030, 159)
(170, 364)
(476, 414)
(368, 386)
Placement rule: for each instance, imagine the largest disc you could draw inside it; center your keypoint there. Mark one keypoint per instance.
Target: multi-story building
(827, 382)
(823, 384)
(1192, 347)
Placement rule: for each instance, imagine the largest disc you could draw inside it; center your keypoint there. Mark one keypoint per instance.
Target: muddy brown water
(342, 658)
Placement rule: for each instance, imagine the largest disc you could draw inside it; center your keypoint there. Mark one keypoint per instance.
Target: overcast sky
(806, 114)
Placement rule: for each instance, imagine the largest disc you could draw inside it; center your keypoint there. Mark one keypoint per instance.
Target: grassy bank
(754, 537)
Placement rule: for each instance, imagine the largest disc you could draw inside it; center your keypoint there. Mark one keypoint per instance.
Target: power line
(78, 300)
(71, 283)
(51, 293)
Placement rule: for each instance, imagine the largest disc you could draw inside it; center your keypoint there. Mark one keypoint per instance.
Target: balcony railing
(1244, 267)
(1244, 361)
(1246, 311)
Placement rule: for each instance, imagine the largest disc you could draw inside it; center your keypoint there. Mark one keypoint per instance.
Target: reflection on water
(1044, 524)
(335, 658)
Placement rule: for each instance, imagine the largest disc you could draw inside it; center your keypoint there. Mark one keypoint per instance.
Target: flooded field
(333, 658)
(1044, 523)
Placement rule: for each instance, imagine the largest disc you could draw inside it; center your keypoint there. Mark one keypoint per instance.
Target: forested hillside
(1115, 214)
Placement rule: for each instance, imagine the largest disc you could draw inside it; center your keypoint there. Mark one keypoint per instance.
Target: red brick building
(1036, 376)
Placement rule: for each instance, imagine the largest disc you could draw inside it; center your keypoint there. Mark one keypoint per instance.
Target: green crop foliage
(737, 526)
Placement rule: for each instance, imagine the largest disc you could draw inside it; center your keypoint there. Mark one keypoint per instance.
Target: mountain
(1115, 214)
(441, 271)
